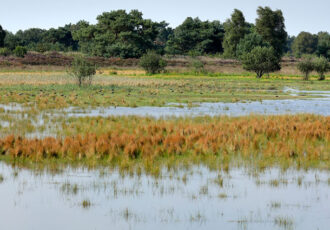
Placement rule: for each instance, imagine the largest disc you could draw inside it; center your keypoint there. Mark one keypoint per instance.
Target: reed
(298, 141)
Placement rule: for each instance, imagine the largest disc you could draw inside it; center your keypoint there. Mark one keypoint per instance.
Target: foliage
(20, 51)
(248, 43)
(152, 63)
(261, 60)
(306, 66)
(323, 45)
(4, 52)
(198, 66)
(118, 34)
(195, 35)
(305, 43)
(321, 66)
(270, 25)
(82, 70)
(236, 28)
(2, 36)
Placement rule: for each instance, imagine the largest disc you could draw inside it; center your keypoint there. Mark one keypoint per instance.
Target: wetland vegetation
(129, 123)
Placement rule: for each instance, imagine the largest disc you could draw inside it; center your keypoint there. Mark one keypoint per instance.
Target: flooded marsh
(166, 151)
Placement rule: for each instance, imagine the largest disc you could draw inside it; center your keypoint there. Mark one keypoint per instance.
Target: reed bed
(291, 140)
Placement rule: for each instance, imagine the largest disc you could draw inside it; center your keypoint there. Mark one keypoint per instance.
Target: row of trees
(129, 35)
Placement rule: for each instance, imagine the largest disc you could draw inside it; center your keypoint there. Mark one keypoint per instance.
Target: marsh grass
(56, 90)
(86, 204)
(134, 144)
(284, 222)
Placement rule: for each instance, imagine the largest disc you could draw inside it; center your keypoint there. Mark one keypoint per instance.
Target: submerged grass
(132, 143)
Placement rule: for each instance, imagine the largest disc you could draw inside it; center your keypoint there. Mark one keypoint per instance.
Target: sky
(300, 15)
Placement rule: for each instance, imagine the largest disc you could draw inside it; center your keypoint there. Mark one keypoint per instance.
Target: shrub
(261, 60)
(4, 52)
(306, 66)
(20, 51)
(321, 66)
(152, 63)
(198, 66)
(82, 70)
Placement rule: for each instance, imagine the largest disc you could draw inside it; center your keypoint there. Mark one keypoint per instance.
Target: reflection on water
(193, 198)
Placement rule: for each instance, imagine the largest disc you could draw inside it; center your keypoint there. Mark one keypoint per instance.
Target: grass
(86, 204)
(284, 222)
(132, 143)
(57, 90)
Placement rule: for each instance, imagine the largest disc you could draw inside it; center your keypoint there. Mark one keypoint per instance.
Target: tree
(2, 36)
(261, 60)
(82, 70)
(196, 36)
(321, 66)
(270, 25)
(20, 51)
(248, 43)
(235, 30)
(306, 66)
(152, 62)
(323, 45)
(305, 43)
(121, 34)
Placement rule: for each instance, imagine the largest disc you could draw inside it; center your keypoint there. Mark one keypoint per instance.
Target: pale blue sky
(300, 15)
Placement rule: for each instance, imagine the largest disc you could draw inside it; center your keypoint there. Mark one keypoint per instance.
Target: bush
(20, 51)
(82, 70)
(198, 66)
(321, 66)
(261, 60)
(306, 66)
(4, 52)
(152, 63)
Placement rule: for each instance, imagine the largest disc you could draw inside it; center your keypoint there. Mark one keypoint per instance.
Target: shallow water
(185, 199)
(265, 107)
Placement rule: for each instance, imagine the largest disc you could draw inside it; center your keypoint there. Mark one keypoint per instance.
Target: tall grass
(299, 141)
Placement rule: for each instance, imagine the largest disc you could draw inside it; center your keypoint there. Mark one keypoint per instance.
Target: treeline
(129, 35)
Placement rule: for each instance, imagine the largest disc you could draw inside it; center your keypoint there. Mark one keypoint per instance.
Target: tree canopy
(2, 37)
(270, 25)
(305, 43)
(235, 30)
(194, 35)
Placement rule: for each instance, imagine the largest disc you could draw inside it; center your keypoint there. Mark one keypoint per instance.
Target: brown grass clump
(297, 140)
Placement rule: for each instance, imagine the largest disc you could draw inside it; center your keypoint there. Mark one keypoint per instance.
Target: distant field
(54, 88)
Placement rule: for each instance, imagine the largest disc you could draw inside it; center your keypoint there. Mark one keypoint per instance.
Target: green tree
(306, 66)
(248, 43)
(2, 36)
(321, 66)
(305, 43)
(121, 34)
(261, 60)
(20, 51)
(82, 70)
(196, 36)
(323, 45)
(235, 30)
(152, 62)
(270, 25)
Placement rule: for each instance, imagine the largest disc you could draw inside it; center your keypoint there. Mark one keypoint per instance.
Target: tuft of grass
(1, 178)
(86, 204)
(284, 222)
